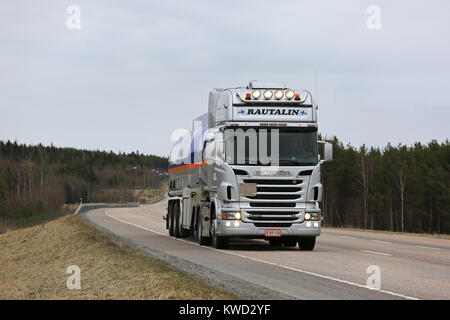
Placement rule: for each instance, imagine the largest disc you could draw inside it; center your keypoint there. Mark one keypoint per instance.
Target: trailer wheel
(203, 241)
(176, 224)
(182, 232)
(170, 219)
(307, 243)
(195, 223)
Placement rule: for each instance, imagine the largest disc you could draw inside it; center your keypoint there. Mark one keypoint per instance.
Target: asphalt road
(410, 267)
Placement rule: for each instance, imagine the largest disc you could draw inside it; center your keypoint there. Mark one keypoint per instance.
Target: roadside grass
(425, 235)
(14, 223)
(34, 262)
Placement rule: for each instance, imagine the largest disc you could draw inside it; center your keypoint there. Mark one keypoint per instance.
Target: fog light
(316, 224)
(308, 224)
(228, 224)
(236, 224)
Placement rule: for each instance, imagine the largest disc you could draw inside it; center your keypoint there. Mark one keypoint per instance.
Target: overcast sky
(137, 70)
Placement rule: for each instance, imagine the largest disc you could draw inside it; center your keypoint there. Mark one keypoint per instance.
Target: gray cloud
(139, 69)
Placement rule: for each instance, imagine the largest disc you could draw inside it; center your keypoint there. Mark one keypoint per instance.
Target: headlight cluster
(312, 216)
(231, 215)
(269, 94)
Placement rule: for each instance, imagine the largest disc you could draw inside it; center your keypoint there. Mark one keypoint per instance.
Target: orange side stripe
(188, 166)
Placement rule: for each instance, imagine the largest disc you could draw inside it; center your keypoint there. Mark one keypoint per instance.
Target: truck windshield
(296, 146)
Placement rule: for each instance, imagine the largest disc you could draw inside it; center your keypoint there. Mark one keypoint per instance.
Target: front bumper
(249, 230)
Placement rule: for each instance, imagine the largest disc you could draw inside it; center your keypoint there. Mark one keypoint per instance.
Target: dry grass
(3, 228)
(34, 262)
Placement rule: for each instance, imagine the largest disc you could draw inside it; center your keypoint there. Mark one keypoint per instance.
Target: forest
(395, 188)
(38, 179)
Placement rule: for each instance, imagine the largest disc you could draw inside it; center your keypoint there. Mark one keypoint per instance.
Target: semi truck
(249, 168)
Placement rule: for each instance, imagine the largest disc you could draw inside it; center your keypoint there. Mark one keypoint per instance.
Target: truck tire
(203, 241)
(195, 215)
(170, 219)
(275, 242)
(219, 242)
(180, 231)
(307, 243)
(176, 224)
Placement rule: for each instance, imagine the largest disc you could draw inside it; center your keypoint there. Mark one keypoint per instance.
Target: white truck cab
(250, 168)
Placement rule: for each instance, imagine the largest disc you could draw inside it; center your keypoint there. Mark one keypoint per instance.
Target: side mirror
(328, 151)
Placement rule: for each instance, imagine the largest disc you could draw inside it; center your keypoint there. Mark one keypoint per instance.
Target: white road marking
(380, 253)
(381, 241)
(348, 237)
(267, 262)
(425, 247)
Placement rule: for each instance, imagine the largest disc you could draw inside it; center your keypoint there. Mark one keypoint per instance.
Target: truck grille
(272, 215)
(275, 201)
(271, 204)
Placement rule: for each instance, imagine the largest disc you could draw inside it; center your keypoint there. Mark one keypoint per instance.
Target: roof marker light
(297, 96)
(290, 94)
(268, 94)
(279, 94)
(256, 94)
(248, 96)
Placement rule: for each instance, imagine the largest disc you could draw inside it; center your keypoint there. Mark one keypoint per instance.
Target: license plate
(272, 232)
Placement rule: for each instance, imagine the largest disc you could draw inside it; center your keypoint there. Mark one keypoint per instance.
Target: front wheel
(219, 242)
(307, 243)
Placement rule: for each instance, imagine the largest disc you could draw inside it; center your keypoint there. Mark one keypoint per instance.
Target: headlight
(256, 94)
(290, 94)
(268, 94)
(312, 216)
(231, 215)
(279, 94)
